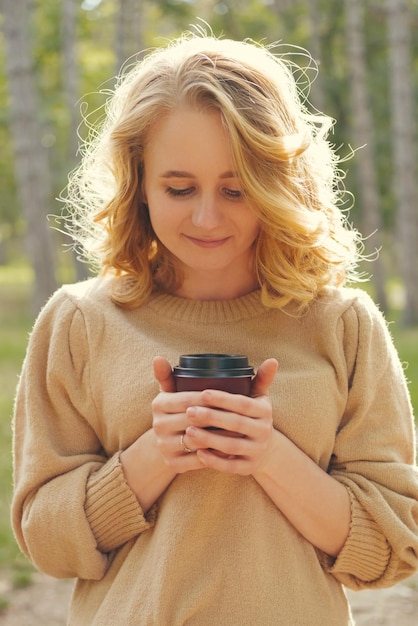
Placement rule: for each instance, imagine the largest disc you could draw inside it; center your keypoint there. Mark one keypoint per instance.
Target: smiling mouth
(207, 243)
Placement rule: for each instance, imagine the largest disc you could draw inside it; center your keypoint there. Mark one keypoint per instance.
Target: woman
(210, 199)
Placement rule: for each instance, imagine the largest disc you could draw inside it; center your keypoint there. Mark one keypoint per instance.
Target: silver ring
(183, 445)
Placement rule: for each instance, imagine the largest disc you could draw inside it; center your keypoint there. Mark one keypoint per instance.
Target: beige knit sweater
(214, 549)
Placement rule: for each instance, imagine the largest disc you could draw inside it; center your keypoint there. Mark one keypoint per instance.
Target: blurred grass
(15, 325)
(406, 341)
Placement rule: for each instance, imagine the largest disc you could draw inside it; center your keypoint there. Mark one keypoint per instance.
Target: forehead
(186, 137)
(185, 119)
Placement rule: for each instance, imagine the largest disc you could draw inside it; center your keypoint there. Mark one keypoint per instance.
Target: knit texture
(213, 549)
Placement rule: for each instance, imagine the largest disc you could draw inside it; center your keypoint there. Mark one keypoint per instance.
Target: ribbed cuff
(112, 509)
(366, 553)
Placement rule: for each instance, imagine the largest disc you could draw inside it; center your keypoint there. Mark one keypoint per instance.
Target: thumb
(163, 374)
(264, 377)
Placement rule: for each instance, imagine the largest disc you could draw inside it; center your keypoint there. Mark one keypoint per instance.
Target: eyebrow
(182, 174)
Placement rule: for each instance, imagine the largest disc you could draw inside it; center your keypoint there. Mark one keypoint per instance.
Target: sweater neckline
(207, 311)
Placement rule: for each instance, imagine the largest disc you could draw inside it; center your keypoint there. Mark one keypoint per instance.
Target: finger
(207, 417)
(222, 409)
(177, 444)
(163, 374)
(220, 440)
(180, 460)
(172, 407)
(223, 463)
(264, 377)
(232, 443)
(185, 463)
(185, 446)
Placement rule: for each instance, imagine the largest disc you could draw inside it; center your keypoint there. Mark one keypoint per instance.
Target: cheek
(164, 218)
(159, 225)
(253, 229)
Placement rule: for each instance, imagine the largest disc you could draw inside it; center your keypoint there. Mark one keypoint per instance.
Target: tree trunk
(362, 127)
(317, 96)
(403, 111)
(282, 5)
(70, 84)
(31, 159)
(70, 77)
(129, 30)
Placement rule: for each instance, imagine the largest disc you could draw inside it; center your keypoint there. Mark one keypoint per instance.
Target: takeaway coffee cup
(227, 372)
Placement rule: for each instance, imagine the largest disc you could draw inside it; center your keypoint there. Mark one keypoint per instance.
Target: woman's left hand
(240, 432)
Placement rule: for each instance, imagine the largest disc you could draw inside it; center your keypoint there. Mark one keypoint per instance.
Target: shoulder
(91, 291)
(84, 295)
(353, 306)
(361, 327)
(344, 298)
(351, 315)
(74, 306)
(72, 319)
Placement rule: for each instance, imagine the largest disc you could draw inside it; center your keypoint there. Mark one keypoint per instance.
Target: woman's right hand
(170, 420)
(152, 462)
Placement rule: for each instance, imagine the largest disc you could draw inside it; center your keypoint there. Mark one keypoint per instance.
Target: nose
(207, 213)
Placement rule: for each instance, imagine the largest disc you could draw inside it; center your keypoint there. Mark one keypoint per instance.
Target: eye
(233, 194)
(178, 193)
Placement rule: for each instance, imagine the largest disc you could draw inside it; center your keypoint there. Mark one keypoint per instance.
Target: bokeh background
(58, 60)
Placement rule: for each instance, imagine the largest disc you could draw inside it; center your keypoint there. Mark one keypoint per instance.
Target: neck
(216, 287)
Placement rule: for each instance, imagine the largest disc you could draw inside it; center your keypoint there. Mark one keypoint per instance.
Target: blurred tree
(70, 89)
(81, 57)
(70, 74)
(31, 160)
(363, 136)
(129, 30)
(404, 137)
(10, 221)
(315, 18)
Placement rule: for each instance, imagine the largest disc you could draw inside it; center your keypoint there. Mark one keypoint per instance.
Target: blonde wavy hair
(287, 168)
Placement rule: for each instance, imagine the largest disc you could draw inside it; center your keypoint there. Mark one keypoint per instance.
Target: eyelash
(178, 193)
(233, 194)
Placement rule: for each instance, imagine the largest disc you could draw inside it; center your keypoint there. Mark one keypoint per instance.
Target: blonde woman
(210, 200)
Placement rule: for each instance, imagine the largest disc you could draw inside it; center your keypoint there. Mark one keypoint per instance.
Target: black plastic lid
(213, 365)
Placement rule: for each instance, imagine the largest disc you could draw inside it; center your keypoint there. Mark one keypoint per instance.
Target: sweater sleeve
(374, 457)
(71, 505)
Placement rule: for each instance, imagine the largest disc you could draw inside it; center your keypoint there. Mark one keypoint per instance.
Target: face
(196, 205)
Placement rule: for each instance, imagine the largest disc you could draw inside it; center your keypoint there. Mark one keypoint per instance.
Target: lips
(207, 243)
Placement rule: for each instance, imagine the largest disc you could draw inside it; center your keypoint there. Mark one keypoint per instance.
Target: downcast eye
(232, 193)
(176, 193)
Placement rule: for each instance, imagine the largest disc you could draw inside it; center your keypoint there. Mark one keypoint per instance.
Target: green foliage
(14, 327)
(266, 21)
(9, 205)
(23, 576)
(406, 341)
(4, 603)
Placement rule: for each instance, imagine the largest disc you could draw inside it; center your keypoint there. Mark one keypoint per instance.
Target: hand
(152, 462)
(247, 426)
(170, 419)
